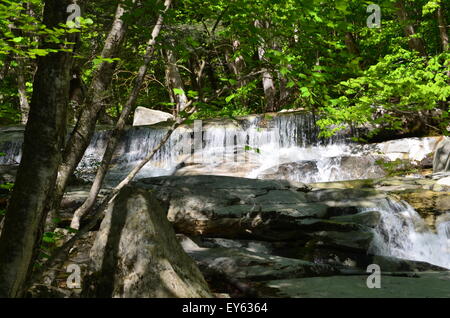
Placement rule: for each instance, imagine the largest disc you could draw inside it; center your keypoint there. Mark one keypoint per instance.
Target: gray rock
(267, 210)
(136, 253)
(441, 160)
(413, 149)
(347, 168)
(242, 264)
(393, 264)
(369, 218)
(444, 181)
(359, 239)
(145, 116)
(360, 167)
(291, 170)
(240, 208)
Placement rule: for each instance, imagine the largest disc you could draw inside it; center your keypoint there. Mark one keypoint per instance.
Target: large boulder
(441, 161)
(268, 210)
(136, 254)
(243, 264)
(337, 168)
(145, 116)
(412, 149)
(300, 170)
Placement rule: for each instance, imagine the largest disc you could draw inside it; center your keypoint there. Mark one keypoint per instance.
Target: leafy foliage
(321, 56)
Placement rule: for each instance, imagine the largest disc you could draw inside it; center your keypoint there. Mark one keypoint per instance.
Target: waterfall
(402, 233)
(11, 139)
(259, 140)
(251, 145)
(12, 151)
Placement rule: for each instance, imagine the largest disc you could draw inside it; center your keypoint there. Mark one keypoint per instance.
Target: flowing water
(254, 145)
(285, 146)
(402, 233)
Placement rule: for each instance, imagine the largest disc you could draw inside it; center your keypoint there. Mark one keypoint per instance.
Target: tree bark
(174, 81)
(442, 27)
(120, 125)
(236, 65)
(415, 43)
(350, 43)
(43, 140)
(84, 129)
(267, 77)
(268, 87)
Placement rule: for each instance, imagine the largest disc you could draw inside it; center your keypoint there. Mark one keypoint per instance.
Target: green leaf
(192, 94)
(178, 91)
(230, 98)
(290, 84)
(7, 186)
(39, 52)
(305, 92)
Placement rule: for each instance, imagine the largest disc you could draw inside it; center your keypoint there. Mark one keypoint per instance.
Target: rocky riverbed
(277, 238)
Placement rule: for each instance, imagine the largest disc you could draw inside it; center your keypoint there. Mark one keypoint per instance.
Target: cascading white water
(262, 142)
(402, 233)
(265, 143)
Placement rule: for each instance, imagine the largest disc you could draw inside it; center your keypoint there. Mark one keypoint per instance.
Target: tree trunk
(268, 85)
(120, 125)
(350, 43)
(43, 141)
(84, 129)
(174, 82)
(237, 65)
(442, 27)
(415, 43)
(267, 77)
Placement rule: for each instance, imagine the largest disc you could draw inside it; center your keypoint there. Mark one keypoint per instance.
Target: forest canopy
(251, 56)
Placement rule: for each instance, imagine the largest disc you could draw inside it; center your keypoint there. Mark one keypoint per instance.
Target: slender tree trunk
(43, 140)
(237, 65)
(442, 27)
(120, 125)
(415, 43)
(174, 82)
(268, 86)
(84, 129)
(350, 43)
(267, 77)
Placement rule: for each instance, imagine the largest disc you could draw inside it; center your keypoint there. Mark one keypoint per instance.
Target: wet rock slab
(270, 210)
